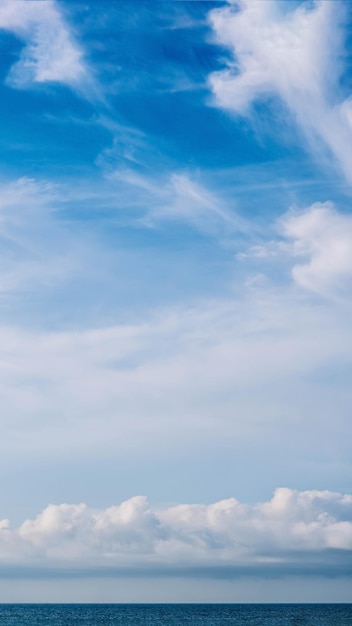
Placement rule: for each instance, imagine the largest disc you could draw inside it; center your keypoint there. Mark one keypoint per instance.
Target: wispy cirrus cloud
(36, 250)
(178, 196)
(50, 52)
(293, 53)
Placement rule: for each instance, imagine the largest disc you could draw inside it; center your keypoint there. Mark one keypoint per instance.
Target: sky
(175, 300)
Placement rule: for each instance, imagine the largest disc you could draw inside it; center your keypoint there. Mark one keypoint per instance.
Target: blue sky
(175, 300)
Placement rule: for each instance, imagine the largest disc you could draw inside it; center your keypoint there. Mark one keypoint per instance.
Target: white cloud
(217, 371)
(323, 236)
(293, 53)
(238, 369)
(180, 197)
(317, 243)
(35, 249)
(311, 530)
(50, 52)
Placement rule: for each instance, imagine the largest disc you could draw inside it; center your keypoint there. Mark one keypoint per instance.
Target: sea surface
(176, 614)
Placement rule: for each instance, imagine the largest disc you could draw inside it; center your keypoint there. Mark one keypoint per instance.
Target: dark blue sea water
(176, 614)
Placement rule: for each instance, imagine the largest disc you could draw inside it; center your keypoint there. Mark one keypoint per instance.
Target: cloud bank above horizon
(295, 533)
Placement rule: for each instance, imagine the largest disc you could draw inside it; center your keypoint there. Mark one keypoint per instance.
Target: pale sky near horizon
(175, 300)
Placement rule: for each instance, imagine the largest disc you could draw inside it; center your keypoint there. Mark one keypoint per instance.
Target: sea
(176, 614)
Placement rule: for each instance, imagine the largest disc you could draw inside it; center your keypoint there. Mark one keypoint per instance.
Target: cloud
(295, 532)
(50, 53)
(242, 369)
(323, 236)
(229, 371)
(147, 183)
(316, 243)
(179, 197)
(293, 53)
(35, 249)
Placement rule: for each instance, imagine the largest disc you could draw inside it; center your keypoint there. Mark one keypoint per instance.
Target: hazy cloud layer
(239, 366)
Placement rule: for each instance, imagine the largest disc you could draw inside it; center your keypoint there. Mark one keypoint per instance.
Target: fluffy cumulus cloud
(295, 532)
(323, 237)
(50, 52)
(290, 52)
(317, 244)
